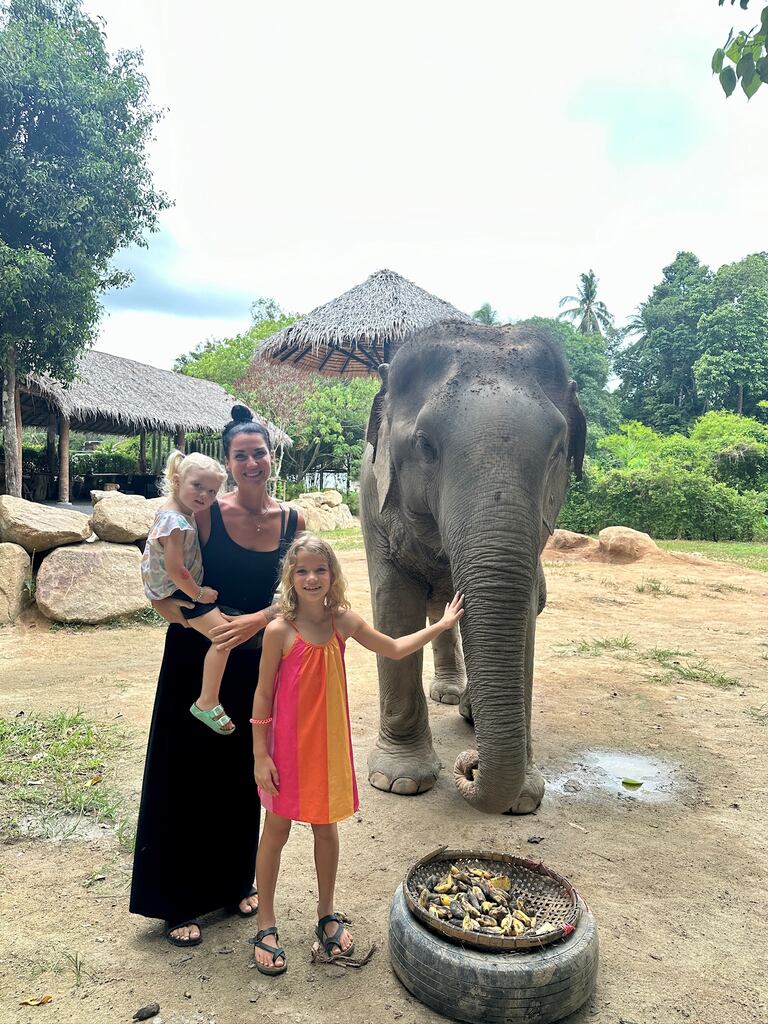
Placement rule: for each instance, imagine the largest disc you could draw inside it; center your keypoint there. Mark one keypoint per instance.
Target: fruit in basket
(501, 882)
(545, 928)
(444, 886)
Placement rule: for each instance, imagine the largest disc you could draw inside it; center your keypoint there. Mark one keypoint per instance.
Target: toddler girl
(172, 566)
(301, 733)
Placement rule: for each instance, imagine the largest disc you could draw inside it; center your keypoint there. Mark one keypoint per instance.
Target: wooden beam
(64, 459)
(143, 452)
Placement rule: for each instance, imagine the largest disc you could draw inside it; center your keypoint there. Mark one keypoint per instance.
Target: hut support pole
(179, 440)
(153, 453)
(50, 452)
(12, 441)
(64, 460)
(143, 452)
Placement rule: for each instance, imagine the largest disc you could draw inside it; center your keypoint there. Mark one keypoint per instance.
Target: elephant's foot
(465, 707)
(447, 689)
(403, 770)
(531, 794)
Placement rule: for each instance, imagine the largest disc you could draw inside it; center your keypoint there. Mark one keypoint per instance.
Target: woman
(199, 815)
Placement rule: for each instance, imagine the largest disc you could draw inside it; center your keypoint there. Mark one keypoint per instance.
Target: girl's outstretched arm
(387, 646)
(263, 766)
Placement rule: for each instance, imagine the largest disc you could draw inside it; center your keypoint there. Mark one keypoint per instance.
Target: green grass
(600, 645)
(348, 539)
(656, 588)
(145, 617)
(665, 654)
(750, 555)
(52, 775)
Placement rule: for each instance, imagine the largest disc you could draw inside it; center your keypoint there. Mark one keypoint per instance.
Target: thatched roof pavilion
(114, 395)
(360, 329)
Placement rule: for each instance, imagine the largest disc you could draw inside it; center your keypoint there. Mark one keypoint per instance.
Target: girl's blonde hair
(337, 595)
(179, 464)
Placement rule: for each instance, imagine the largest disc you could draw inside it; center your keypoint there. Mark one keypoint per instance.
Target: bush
(352, 498)
(666, 501)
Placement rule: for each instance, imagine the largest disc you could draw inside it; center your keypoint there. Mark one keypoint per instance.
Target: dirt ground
(675, 874)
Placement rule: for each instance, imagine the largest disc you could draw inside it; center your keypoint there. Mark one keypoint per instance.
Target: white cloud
(307, 145)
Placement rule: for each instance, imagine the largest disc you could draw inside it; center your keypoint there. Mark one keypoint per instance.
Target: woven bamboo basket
(548, 895)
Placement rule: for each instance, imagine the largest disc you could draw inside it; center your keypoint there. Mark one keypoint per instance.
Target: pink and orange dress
(310, 739)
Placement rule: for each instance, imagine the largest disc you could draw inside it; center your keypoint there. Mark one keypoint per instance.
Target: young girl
(301, 733)
(172, 566)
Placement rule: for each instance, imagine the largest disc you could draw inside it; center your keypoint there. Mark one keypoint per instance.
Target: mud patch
(616, 773)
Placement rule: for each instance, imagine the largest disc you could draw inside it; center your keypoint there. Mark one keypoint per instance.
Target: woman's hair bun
(241, 414)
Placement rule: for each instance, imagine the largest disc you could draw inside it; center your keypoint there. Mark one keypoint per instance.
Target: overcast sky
(490, 152)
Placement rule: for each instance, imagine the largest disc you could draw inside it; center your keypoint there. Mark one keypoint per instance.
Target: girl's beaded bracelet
(260, 721)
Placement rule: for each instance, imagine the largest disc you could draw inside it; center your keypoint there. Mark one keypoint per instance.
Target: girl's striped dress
(309, 739)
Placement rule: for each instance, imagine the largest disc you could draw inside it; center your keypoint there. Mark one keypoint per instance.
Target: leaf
(762, 69)
(734, 51)
(631, 783)
(750, 85)
(717, 61)
(728, 80)
(40, 1001)
(746, 66)
(94, 781)
(764, 20)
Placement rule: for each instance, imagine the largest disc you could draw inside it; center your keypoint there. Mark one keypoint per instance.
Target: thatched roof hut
(114, 395)
(360, 329)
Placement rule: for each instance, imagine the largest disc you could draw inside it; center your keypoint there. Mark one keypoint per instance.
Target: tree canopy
(590, 315)
(744, 56)
(75, 122)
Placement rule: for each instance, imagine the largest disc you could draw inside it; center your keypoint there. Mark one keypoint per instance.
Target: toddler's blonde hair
(337, 595)
(179, 464)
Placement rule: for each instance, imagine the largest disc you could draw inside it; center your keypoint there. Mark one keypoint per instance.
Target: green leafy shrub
(664, 501)
(352, 498)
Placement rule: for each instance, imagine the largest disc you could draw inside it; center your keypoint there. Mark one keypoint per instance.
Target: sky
(489, 152)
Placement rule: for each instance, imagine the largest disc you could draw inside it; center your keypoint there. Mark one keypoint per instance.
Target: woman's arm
(263, 766)
(239, 628)
(173, 547)
(401, 647)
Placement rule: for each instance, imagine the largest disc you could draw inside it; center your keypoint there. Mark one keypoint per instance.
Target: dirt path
(678, 884)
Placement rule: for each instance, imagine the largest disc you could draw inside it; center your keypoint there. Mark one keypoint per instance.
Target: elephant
(470, 444)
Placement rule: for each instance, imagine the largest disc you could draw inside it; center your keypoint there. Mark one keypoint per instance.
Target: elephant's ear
(577, 430)
(378, 436)
(377, 409)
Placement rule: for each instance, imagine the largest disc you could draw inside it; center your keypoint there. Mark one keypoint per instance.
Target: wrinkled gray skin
(471, 439)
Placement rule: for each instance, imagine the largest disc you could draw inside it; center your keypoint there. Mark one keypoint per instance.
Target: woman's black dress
(198, 823)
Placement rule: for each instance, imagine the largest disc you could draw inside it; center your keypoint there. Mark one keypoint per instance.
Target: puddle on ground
(597, 772)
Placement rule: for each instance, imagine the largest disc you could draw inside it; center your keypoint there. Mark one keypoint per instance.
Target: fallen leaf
(94, 781)
(631, 783)
(40, 1001)
(145, 1012)
(535, 839)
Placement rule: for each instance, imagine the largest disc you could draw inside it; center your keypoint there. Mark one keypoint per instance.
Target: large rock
(321, 517)
(97, 496)
(126, 519)
(15, 570)
(90, 583)
(568, 541)
(620, 544)
(40, 527)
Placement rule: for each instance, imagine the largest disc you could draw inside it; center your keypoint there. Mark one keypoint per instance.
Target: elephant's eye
(424, 446)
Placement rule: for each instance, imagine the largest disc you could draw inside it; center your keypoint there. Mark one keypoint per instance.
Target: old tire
(493, 988)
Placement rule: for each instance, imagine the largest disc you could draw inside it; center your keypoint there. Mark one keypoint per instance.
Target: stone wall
(90, 570)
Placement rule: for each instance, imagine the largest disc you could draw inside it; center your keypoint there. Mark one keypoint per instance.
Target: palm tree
(486, 314)
(590, 315)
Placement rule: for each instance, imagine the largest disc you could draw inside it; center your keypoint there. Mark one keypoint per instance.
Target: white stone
(15, 570)
(39, 527)
(90, 583)
(125, 521)
(97, 496)
(621, 544)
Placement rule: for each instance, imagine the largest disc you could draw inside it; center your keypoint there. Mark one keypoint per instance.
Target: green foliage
(734, 449)
(664, 501)
(486, 314)
(590, 315)
(228, 360)
(75, 185)
(743, 58)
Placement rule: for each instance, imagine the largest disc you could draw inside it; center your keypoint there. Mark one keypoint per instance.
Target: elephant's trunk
(496, 572)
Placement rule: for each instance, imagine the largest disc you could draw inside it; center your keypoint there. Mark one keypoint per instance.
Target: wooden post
(12, 441)
(153, 454)
(50, 452)
(143, 452)
(64, 459)
(179, 440)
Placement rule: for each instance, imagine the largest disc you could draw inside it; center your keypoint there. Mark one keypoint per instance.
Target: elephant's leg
(533, 788)
(403, 760)
(450, 676)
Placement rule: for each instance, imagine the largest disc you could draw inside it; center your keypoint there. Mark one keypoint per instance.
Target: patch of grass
(348, 539)
(750, 555)
(144, 617)
(665, 654)
(759, 715)
(52, 770)
(76, 964)
(657, 588)
(599, 645)
(724, 588)
(701, 672)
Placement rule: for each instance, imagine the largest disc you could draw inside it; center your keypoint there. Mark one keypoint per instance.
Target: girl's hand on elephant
(453, 612)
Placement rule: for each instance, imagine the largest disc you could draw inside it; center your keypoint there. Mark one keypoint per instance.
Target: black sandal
(235, 908)
(183, 942)
(328, 941)
(276, 951)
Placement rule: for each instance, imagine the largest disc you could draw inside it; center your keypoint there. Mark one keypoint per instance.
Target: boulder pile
(90, 571)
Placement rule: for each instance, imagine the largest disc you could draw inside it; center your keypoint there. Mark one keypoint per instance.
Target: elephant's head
(474, 431)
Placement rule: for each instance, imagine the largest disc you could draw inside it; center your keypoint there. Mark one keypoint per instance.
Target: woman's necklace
(257, 516)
